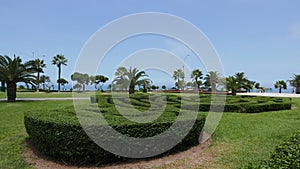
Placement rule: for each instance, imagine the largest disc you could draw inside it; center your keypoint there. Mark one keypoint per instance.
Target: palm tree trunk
(298, 90)
(131, 89)
(2, 89)
(11, 91)
(38, 82)
(213, 88)
(279, 89)
(59, 72)
(83, 87)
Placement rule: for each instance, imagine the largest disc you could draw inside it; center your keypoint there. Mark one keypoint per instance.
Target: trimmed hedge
(58, 134)
(286, 156)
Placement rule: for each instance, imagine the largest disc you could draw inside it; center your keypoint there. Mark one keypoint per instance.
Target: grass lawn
(12, 130)
(238, 140)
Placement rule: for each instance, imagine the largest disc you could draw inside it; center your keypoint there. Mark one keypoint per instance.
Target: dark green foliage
(58, 134)
(286, 156)
(240, 104)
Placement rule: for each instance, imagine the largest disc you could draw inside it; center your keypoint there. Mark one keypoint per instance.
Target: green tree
(295, 82)
(46, 82)
(232, 84)
(13, 71)
(63, 82)
(82, 79)
(99, 80)
(129, 78)
(164, 87)
(241, 81)
(197, 75)
(39, 65)
(280, 84)
(249, 85)
(211, 80)
(59, 60)
(179, 76)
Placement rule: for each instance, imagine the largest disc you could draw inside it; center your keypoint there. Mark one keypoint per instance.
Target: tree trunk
(131, 89)
(11, 91)
(298, 90)
(38, 82)
(279, 89)
(83, 87)
(2, 89)
(59, 72)
(213, 88)
(233, 93)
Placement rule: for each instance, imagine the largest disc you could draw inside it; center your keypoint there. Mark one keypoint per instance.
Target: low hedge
(286, 156)
(58, 134)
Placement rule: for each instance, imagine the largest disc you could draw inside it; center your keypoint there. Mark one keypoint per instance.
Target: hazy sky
(259, 37)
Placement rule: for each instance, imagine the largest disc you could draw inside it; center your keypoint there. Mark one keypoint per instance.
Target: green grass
(12, 130)
(238, 140)
(247, 138)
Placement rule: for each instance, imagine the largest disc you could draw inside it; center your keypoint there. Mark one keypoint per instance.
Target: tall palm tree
(212, 79)
(39, 65)
(130, 78)
(179, 76)
(295, 82)
(197, 75)
(281, 85)
(59, 60)
(13, 71)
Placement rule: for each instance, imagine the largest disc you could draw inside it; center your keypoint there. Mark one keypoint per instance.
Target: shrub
(58, 134)
(285, 156)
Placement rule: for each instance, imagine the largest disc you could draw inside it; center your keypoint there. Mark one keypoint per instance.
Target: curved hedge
(58, 134)
(240, 104)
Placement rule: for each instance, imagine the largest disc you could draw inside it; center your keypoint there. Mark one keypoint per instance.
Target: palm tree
(196, 76)
(59, 60)
(13, 71)
(130, 78)
(241, 81)
(295, 82)
(281, 85)
(179, 76)
(249, 85)
(212, 79)
(39, 65)
(232, 84)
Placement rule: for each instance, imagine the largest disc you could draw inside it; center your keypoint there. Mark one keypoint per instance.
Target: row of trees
(13, 71)
(85, 79)
(236, 83)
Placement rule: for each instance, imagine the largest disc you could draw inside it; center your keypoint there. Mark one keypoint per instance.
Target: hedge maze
(58, 133)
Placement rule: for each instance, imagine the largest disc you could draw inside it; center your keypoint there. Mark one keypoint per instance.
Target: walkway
(43, 99)
(272, 94)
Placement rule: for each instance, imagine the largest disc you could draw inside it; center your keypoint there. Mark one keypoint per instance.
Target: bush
(58, 134)
(286, 156)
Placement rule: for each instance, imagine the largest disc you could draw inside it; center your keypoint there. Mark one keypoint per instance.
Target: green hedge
(286, 156)
(58, 134)
(251, 105)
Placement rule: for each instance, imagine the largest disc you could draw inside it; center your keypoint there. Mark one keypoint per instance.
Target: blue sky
(259, 37)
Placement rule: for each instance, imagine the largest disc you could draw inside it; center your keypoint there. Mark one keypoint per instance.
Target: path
(43, 99)
(272, 94)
